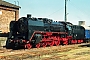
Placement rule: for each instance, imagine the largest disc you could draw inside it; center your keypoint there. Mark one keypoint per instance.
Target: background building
(8, 12)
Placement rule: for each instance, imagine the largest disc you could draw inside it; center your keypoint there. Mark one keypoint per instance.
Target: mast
(65, 11)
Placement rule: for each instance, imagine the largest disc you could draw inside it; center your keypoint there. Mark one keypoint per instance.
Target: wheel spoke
(29, 46)
(44, 44)
(38, 45)
(52, 43)
(57, 43)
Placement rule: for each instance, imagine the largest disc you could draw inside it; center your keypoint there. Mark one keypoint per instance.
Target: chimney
(81, 23)
(28, 15)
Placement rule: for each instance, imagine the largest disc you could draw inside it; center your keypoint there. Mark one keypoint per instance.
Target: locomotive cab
(77, 32)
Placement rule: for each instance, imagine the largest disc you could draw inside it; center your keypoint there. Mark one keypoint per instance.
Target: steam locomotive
(31, 32)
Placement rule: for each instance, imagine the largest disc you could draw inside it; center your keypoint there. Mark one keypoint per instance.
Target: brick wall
(17, 14)
(5, 18)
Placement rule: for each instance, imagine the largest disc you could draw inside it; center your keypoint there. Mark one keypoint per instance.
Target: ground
(68, 52)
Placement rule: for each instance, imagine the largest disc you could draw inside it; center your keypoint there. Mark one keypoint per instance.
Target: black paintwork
(77, 32)
(25, 27)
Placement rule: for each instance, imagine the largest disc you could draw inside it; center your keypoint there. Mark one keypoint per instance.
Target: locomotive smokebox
(81, 23)
(28, 15)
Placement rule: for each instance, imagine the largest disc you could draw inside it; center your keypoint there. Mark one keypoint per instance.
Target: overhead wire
(55, 12)
(82, 11)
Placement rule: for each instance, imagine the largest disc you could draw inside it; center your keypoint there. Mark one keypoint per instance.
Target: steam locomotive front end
(21, 32)
(18, 33)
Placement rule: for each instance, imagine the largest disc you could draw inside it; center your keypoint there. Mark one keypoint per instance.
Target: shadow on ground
(86, 45)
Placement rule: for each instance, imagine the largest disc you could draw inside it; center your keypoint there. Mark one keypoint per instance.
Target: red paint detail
(51, 38)
(74, 41)
(57, 43)
(38, 45)
(65, 41)
(52, 43)
(29, 46)
(46, 33)
(49, 33)
(23, 40)
(81, 41)
(69, 37)
(44, 44)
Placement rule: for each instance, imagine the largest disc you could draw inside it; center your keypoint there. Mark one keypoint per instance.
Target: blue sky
(78, 10)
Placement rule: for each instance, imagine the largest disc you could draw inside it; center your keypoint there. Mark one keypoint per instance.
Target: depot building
(8, 12)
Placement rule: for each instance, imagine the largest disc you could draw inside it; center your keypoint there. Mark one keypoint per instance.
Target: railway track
(9, 54)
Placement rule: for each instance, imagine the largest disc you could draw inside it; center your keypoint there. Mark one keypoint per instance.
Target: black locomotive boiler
(30, 32)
